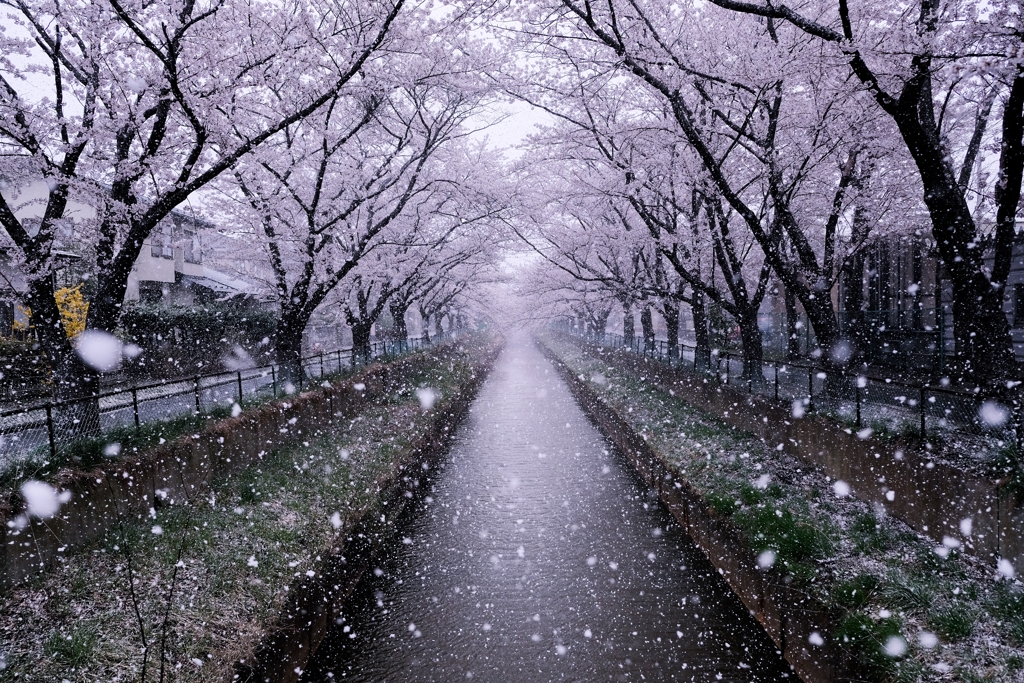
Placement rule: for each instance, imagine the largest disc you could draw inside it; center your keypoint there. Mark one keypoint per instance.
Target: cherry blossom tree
(777, 144)
(914, 61)
(143, 105)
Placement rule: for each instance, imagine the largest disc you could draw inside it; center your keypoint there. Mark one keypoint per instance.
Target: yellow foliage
(73, 309)
(25, 323)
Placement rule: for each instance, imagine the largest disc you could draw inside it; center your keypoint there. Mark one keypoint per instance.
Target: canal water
(538, 556)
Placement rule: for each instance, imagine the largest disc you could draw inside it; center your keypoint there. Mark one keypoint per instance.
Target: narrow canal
(538, 556)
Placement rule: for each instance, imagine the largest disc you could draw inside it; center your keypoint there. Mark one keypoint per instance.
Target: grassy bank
(193, 589)
(906, 609)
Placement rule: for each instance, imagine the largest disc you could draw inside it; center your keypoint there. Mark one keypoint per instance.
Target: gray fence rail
(33, 431)
(863, 401)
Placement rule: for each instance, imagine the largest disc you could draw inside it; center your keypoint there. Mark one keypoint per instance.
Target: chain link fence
(883, 405)
(48, 429)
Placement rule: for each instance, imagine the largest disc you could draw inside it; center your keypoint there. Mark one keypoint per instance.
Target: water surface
(538, 556)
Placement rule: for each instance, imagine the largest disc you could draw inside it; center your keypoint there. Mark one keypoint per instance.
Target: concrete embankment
(788, 615)
(225, 553)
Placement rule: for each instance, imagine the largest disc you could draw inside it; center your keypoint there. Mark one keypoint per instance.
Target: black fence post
(857, 387)
(135, 405)
(196, 384)
(321, 365)
(49, 430)
(810, 388)
(776, 380)
(920, 405)
(239, 387)
(273, 381)
(728, 368)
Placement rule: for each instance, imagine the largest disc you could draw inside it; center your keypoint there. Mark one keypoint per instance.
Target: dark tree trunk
(600, 323)
(670, 311)
(75, 384)
(753, 348)
(701, 335)
(647, 325)
(401, 330)
(288, 349)
(628, 325)
(425, 325)
(792, 332)
(984, 347)
(361, 330)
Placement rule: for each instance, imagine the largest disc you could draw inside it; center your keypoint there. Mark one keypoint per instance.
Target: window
(193, 253)
(161, 241)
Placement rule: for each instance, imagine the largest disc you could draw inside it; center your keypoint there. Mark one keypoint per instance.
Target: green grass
(799, 542)
(870, 536)
(73, 649)
(952, 621)
(866, 638)
(855, 593)
(276, 512)
(1006, 604)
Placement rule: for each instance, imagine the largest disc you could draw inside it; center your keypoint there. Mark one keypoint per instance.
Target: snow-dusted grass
(908, 610)
(192, 589)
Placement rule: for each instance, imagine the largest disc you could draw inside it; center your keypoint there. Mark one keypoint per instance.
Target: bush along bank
(846, 591)
(236, 578)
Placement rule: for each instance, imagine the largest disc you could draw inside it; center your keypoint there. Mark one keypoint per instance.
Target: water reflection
(538, 557)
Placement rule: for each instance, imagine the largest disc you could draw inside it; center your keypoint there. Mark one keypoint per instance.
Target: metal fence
(38, 430)
(864, 402)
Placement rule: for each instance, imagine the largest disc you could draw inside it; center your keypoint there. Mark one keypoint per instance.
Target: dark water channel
(538, 556)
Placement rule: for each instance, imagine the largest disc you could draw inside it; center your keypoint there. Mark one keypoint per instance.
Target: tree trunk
(702, 338)
(288, 350)
(670, 311)
(984, 347)
(647, 324)
(792, 332)
(361, 341)
(628, 325)
(401, 330)
(425, 325)
(75, 384)
(753, 348)
(600, 323)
